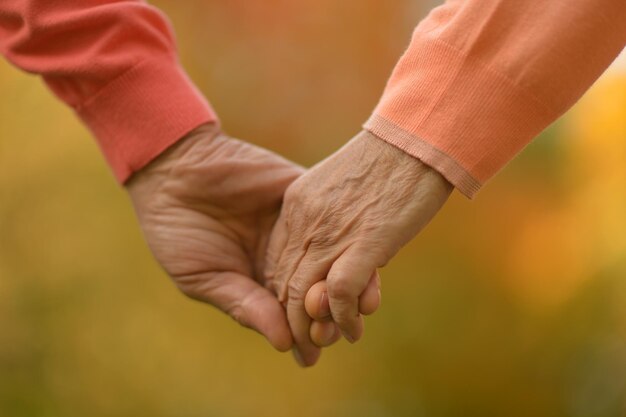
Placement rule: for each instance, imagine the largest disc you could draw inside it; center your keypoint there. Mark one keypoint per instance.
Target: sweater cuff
(455, 113)
(142, 113)
(425, 152)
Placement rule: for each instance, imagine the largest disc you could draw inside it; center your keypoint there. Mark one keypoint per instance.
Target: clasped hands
(288, 252)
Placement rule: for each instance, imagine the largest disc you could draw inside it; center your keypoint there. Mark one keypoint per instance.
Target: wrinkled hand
(207, 207)
(342, 219)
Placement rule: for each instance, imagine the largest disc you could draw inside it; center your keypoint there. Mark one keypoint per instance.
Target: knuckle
(242, 310)
(325, 237)
(340, 289)
(237, 312)
(344, 319)
(296, 290)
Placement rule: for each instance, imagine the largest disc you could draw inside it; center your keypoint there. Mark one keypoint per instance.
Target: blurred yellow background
(511, 305)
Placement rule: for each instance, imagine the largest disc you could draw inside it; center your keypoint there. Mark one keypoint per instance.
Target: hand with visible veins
(207, 207)
(340, 221)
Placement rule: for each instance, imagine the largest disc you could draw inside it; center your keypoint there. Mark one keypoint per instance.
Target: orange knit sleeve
(481, 78)
(115, 63)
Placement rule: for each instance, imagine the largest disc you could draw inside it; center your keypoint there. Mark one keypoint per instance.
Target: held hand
(324, 331)
(207, 207)
(347, 216)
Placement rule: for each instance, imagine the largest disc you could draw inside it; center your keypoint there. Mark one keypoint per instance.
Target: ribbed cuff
(455, 113)
(142, 113)
(425, 152)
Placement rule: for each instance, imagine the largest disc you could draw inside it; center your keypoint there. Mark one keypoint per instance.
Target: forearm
(115, 64)
(482, 78)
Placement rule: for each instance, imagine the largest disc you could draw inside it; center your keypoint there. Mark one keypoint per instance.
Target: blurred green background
(510, 305)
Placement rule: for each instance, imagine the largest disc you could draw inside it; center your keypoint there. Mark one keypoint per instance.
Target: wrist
(150, 177)
(429, 177)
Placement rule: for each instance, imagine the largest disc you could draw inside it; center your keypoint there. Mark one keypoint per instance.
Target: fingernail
(348, 337)
(298, 357)
(324, 305)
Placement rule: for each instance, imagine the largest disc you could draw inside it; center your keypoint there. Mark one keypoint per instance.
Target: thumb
(246, 301)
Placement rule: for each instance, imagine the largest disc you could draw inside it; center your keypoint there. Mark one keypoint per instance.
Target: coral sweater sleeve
(481, 78)
(115, 63)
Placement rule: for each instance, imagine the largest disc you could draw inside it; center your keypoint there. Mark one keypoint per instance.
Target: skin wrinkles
(217, 201)
(354, 210)
(217, 211)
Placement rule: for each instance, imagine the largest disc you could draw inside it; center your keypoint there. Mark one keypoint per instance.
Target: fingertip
(282, 343)
(353, 331)
(265, 315)
(279, 336)
(369, 301)
(298, 357)
(307, 359)
(316, 301)
(324, 334)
